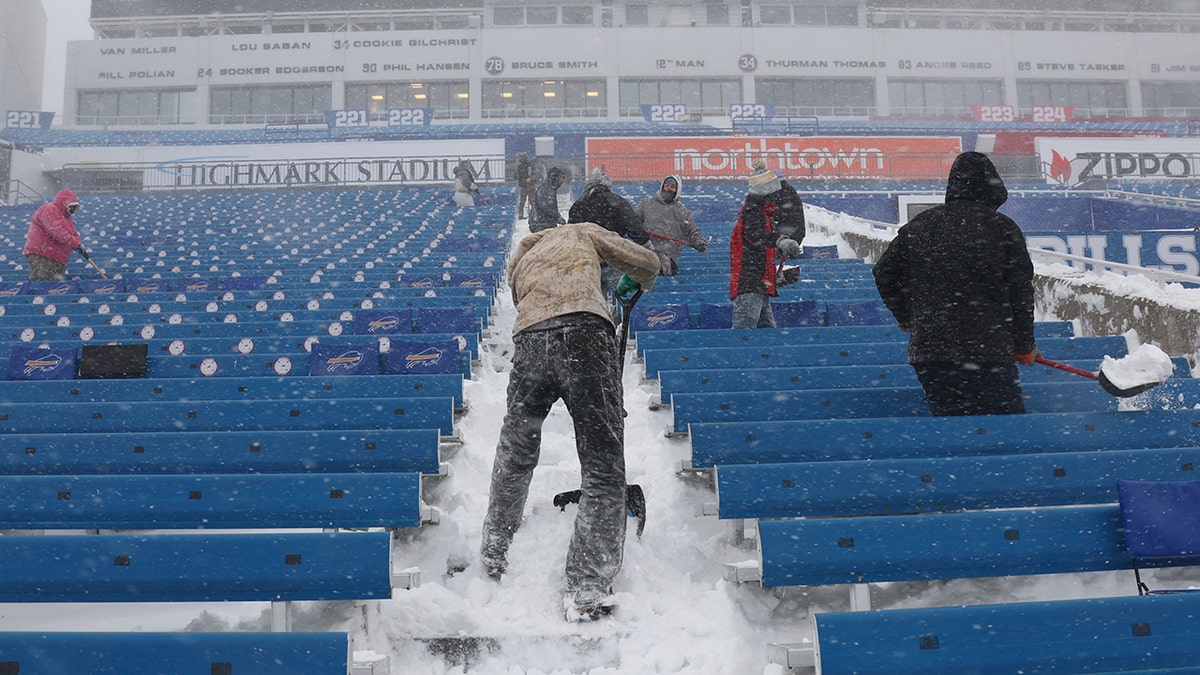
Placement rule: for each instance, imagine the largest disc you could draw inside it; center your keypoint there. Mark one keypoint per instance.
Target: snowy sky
(66, 20)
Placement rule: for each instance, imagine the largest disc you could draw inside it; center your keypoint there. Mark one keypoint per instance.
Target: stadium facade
(255, 62)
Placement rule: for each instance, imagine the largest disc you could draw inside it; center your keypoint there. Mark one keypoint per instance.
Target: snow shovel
(1105, 383)
(635, 498)
(88, 258)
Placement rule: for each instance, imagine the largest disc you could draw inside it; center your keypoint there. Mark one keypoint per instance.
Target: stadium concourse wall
(1096, 308)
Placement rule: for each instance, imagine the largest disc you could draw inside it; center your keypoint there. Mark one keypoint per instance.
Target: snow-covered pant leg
(593, 394)
(464, 198)
(525, 200)
(532, 390)
(971, 388)
(753, 310)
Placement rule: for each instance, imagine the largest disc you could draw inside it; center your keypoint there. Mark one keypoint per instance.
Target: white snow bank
(1145, 365)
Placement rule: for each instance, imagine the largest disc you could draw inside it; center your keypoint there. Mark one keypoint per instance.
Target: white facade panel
(563, 53)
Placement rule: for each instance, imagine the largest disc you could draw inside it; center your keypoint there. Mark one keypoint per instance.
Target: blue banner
(14, 288)
(102, 286)
(424, 357)
(136, 285)
(663, 317)
(383, 321)
(253, 282)
(344, 359)
(54, 287)
(37, 363)
(194, 284)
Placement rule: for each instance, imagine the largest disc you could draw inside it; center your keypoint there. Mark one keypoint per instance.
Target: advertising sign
(319, 164)
(1072, 161)
(725, 157)
(1170, 251)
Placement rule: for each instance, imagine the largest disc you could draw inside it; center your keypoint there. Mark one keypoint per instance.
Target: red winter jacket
(52, 232)
(752, 250)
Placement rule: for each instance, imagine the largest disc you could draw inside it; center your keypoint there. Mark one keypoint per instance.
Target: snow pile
(1145, 365)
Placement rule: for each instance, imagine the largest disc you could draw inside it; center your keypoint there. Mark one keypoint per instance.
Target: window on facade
(841, 15)
(129, 106)
(637, 15)
(1171, 99)
(508, 16)
(717, 14)
(818, 96)
(277, 104)
(544, 98)
(1090, 99)
(775, 14)
(578, 15)
(448, 98)
(706, 97)
(541, 16)
(942, 97)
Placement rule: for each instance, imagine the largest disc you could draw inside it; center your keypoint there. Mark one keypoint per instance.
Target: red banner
(794, 157)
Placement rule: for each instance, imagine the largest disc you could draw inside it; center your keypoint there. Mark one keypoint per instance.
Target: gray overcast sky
(66, 20)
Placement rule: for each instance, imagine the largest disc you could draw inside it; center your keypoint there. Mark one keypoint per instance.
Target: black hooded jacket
(600, 205)
(544, 213)
(958, 276)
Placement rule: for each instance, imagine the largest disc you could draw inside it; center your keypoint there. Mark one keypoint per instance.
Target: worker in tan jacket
(566, 348)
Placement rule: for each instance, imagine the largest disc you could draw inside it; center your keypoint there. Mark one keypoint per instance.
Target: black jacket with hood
(544, 213)
(600, 205)
(958, 276)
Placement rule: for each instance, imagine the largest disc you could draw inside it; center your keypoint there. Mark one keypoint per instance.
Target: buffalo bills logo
(423, 283)
(147, 288)
(43, 364)
(110, 288)
(58, 290)
(7, 292)
(347, 360)
(383, 324)
(471, 283)
(662, 318)
(426, 359)
(197, 286)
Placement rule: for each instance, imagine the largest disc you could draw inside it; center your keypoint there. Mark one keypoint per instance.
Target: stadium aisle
(674, 615)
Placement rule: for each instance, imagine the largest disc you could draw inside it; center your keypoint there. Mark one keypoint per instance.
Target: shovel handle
(1069, 368)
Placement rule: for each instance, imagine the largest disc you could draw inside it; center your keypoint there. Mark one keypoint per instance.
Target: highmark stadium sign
(309, 165)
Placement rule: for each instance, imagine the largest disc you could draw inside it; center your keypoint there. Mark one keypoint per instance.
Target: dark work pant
(577, 364)
(953, 388)
(45, 269)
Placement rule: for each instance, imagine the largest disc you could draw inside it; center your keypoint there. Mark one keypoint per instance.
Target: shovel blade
(1127, 392)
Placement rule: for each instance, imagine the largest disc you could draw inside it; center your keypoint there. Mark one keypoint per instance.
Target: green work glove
(627, 287)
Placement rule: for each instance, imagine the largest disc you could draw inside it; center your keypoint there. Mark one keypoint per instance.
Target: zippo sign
(726, 157)
(1072, 161)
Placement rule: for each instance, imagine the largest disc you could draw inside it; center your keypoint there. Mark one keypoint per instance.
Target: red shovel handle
(1070, 369)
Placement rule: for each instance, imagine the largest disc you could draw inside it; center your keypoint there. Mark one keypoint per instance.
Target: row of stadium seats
(189, 395)
(818, 438)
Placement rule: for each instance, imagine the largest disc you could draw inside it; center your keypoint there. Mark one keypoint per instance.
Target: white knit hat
(762, 181)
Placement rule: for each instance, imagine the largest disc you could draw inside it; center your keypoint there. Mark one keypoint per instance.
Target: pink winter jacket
(52, 232)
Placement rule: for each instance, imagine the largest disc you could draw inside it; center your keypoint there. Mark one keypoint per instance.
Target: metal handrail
(1163, 200)
(17, 189)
